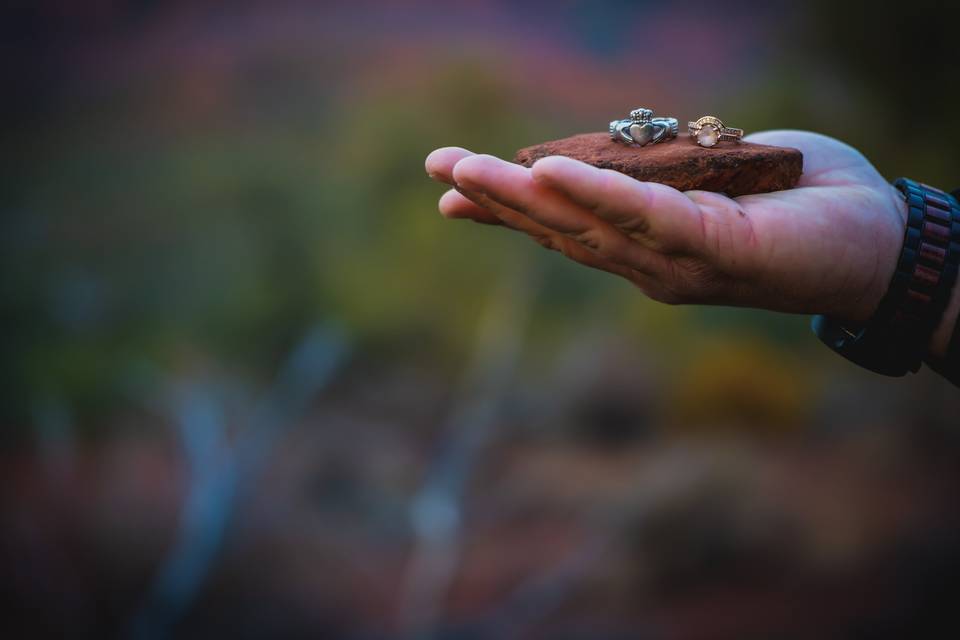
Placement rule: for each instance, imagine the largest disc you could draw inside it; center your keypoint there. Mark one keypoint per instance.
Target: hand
(829, 246)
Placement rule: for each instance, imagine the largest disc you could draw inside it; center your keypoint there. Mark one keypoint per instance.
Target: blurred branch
(534, 600)
(436, 510)
(56, 435)
(218, 472)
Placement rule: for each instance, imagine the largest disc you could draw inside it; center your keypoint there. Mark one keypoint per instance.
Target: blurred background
(255, 386)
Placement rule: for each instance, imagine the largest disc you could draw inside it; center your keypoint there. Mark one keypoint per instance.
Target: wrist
(915, 317)
(863, 304)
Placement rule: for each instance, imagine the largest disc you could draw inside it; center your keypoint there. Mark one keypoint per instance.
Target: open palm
(827, 246)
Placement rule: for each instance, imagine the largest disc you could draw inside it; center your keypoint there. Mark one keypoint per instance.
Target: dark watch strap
(894, 340)
(931, 255)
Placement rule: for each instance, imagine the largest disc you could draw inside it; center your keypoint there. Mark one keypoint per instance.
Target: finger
(455, 205)
(439, 164)
(548, 238)
(513, 186)
(656, 215)
(650, 286)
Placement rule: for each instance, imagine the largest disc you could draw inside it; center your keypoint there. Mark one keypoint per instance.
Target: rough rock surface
(734, 168)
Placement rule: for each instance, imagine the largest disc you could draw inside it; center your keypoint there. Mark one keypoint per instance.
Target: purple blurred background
(255, 386)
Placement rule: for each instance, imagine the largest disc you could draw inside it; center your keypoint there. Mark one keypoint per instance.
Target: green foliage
(214, 213)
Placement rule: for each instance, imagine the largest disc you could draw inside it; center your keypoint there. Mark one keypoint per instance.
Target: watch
(894, 340)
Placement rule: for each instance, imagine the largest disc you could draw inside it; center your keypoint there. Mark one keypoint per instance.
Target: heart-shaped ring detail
(642, 133)
(641, 128)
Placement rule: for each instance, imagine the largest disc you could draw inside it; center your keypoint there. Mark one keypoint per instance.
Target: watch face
(870, 351)
(849, 334)
(831, 333)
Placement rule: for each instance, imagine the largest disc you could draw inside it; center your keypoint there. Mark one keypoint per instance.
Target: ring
(708, 131)
(641, 128)
(649, 132)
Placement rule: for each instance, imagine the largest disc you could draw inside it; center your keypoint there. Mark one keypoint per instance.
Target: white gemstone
(708, 136)
(641, 133)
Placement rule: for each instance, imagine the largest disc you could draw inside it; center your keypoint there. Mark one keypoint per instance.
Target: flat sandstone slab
(734, 168)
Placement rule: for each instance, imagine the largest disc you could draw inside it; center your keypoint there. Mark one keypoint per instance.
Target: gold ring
(708, 131)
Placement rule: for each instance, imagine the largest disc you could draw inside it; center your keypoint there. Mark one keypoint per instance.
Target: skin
(829, 245)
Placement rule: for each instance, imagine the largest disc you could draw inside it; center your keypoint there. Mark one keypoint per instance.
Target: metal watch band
(894, 340)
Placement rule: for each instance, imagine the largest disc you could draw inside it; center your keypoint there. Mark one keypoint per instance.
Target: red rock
(734, 168)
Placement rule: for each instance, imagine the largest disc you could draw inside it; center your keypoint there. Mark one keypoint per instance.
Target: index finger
(648, 212)
(439, 164)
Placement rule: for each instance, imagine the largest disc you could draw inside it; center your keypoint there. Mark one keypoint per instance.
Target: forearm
(944, 346)
(940, 339)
